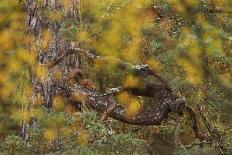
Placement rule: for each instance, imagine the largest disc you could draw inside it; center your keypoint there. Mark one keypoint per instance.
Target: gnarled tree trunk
(60, 56)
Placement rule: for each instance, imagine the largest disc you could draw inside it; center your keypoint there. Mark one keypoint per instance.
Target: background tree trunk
(41, 21)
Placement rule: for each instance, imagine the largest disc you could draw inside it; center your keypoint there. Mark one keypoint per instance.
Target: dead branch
(108, 111)
(141, 70)
(195, 124)
(197, 144)
(209, 127)
(55, 62)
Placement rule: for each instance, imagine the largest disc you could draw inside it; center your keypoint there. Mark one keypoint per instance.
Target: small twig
(173, 118)
(108, 111)
(209, 128)
(196, 144)
(177, 141)
(139, 69)
(147, 146)
(195, 124)
(108, 8)
(53, 63)
(79, 13)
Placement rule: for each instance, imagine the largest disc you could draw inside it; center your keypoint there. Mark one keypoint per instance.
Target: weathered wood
(60, 57)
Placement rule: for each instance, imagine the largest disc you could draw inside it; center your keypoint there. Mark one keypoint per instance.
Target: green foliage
(15, 145)
(93, 137)
(195, 150)
(192, 50)
(69, 29)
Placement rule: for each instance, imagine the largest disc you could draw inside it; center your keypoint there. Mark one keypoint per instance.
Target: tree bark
(58, 57)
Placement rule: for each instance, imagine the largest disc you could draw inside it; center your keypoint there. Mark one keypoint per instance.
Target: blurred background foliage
(188, 44)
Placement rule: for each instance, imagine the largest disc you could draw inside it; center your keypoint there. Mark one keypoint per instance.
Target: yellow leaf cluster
(50, 134)
(41, 72)
(6, 42)
(124, 98)
(154, 64)
(7, 89)
(125, 23)
(65, 3)
(131, 103)
(193, 73)
(226, 78)
(133, 107)
(55, 15)
(66, 131)
(83, 36)
(189, 40)
(58, 103)
(57, 75)
(177, 5)
(131, 82)
(37, 112)
(83, 137)
(26, 56)
(13, 65)
(45, 39)
(25, 116)
(38, 100)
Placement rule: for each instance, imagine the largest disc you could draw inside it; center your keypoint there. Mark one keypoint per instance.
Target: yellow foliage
(55, 15)
(6, 42)
(154, 64)
(133, 108)
(41, 72)
(177, 4)
(26, 56)
(99, 63)
(50, 134)
(131, 53)
(66, 131)
(201, 19)
(193, 73)
(132, 104)
(111, 42)
(83, 36)
(83, 137)
(131, 82)
(124, 98)
(190, 41)
(13, 65)
(226, 78)
(45, 39)
(192, 3)
(200, 94)
(221, 3)
(37, 112)
(26, 94)
(58, 103)
(57, 75)
(65, 3)
(25, 116)
(7, 89)
(215, 47)
(38, 100)
(18, 18)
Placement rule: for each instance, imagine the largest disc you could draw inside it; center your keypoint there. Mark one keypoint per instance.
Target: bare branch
(214, 135)
(108, 111)
(195, 124)
(141, 70)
